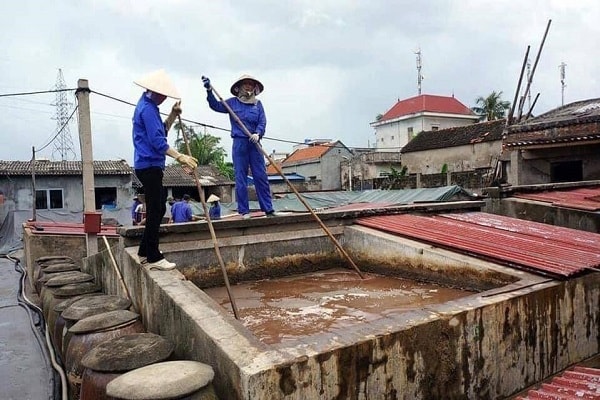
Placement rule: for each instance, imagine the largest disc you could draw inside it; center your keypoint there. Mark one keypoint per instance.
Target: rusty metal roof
(576, 383)
(582, 198)
(67, 228)
(540, 248)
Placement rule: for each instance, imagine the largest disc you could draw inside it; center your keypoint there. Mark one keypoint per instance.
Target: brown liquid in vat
(284, 309)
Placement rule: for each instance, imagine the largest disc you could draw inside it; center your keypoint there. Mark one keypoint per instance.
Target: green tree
(492, 107)
(206, 148)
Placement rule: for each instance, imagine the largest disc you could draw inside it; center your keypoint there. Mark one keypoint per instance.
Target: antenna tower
(419, 65)
(63, 144)
(562, 68)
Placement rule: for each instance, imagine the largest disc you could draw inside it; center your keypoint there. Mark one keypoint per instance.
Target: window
(105, 198)
(48, 199)
(435, 127)
(411, 133)
(566, 171)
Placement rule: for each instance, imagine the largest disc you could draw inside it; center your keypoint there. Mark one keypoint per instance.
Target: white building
(417, 114)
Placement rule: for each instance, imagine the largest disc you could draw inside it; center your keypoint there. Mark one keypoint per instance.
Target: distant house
(401, 123)
(465, 148)
(55, 188)
(562, 145)
(58, 194)
(178, 182)
(319, 164)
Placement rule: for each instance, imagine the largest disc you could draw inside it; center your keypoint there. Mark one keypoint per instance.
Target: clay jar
(45, 261)
(58, 281)
(61, 294)
(50, 272)
(90, 331)
(111, 359)
(58, 326)
(189, 380)
(87, 307)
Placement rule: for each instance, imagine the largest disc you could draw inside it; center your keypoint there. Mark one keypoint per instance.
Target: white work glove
(254, 138)
(187, 160)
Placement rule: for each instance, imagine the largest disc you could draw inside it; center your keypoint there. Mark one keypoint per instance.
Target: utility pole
(63, 145)
(87, 164)
(562, 68)
(419, 66)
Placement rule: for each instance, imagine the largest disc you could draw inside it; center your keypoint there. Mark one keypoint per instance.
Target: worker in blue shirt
(214, 212)
(245, 151)
(181, 211)
(150, 150)
(136, 202)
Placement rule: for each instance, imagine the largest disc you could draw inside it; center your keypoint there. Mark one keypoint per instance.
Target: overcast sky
(329, 66)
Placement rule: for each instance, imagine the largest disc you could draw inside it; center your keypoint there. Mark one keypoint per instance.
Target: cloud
(329, 67)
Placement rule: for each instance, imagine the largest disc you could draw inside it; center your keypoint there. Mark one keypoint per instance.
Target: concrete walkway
(24, 372)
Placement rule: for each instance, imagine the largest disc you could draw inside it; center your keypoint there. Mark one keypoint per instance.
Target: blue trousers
(246, 155)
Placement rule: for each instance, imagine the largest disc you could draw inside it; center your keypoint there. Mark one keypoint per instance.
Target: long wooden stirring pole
(308, 207)
(210, 225)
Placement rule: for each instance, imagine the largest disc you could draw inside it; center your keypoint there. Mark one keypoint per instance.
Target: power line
(183, 119)
(39, 92)
(60, 130)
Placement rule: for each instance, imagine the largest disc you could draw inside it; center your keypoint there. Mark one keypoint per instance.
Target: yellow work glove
(187, 160)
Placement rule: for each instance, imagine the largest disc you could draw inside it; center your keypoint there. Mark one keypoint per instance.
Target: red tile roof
(308, 153)
(424, 103)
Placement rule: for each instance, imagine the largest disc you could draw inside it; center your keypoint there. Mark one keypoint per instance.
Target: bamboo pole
(280, 172)
(537, 58)
(210, 225)
(116, 268)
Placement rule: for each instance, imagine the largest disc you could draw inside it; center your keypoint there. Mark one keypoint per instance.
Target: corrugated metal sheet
(577, 383)
(540, 248)
(582, 199)
(67, 228)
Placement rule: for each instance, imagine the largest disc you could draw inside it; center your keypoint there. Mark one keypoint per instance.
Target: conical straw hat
(159, 82)
(236, 84)
(212, 198)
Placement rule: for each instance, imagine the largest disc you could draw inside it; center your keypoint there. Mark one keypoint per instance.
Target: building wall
(331, 168)
(533, 166)
(326, 169)
(458, 159)
(394, 135)
(19, 190)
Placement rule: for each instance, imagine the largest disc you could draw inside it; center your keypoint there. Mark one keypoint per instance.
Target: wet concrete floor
(25, 373)
(285, 309)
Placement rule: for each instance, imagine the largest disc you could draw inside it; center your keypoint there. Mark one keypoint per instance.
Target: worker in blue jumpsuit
(246, 151)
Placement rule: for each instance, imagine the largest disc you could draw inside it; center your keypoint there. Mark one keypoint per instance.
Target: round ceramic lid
(102, 321)
(65, 278)
(76, 289)
(52, 259)
(128, 352)
(93, 305)
(46, 277)
(60, 307)
(166, 380)
(61, 267)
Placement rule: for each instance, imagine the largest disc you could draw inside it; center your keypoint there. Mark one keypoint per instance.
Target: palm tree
(206, 148)
(492, 107)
